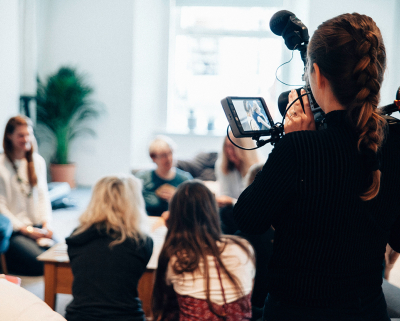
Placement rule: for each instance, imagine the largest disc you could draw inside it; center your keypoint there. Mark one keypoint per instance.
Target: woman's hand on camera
(296, 119)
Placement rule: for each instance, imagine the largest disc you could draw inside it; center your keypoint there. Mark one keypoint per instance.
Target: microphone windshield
(279, 20)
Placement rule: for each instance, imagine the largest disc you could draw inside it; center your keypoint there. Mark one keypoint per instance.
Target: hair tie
(371, 159)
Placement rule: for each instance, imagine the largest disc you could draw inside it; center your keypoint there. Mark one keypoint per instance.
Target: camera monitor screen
(247, 116)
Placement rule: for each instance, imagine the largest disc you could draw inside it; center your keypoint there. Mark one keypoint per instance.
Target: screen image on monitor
(251, 114)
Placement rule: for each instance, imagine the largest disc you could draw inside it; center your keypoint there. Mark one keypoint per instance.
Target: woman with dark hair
(334, 199)
(24, 197)
(202, 274)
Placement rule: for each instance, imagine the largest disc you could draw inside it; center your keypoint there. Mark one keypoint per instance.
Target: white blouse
(21, 209)
(236, 262)
(231, 184)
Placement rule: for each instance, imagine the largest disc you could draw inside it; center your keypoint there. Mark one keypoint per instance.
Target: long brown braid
(350, 53)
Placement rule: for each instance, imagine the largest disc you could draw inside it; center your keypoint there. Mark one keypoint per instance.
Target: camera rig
(295, 34)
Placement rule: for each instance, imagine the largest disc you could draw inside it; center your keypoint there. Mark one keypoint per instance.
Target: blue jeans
(5, 233)
(373, 309)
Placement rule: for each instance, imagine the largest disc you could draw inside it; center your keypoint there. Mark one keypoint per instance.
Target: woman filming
(333, 203)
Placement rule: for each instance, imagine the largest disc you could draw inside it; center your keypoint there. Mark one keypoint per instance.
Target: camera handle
(276, 132)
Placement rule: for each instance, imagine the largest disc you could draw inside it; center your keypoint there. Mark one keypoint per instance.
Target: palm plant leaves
(63, 109)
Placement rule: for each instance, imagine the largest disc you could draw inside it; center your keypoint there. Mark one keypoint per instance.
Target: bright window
(218, 52)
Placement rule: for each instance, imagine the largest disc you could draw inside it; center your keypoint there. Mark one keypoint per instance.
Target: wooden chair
(3, 263)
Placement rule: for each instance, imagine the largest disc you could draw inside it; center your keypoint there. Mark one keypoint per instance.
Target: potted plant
(63, 109)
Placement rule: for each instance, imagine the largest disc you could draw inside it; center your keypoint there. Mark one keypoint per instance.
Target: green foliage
(63, 109)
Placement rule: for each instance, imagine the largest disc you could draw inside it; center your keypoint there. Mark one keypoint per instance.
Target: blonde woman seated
(232, 166)
(109, 252)
(202, 274)
(230, 169)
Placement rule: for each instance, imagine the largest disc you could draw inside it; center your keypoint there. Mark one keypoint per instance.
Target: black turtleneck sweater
(329, 244)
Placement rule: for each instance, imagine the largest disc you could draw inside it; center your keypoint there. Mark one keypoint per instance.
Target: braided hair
(350, 53)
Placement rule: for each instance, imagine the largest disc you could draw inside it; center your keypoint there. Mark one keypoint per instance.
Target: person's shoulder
(182, 175)
(146, 241)
(148, 245)
(232, 245)
(5, 165)
(303, 139)
(236, 246)
(142, 246)
(303, 134)
(145, 175)
(38, 159)
(83, 237)
(232, 241)
(3, 159)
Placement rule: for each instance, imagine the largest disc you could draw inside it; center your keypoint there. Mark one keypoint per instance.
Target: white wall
(123, 46)
(95, 36)
(150, 75)
(9, 62)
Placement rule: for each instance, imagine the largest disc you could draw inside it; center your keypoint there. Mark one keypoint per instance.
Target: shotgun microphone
(285, 23)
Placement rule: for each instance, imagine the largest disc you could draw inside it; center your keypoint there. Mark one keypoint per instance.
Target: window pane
(207, 68)
(226, 18)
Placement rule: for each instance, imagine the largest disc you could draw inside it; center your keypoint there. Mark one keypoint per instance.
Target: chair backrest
(3, 263)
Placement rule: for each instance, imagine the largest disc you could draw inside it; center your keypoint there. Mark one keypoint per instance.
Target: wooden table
(58, 276)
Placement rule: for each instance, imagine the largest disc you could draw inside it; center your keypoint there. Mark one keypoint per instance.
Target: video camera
(250, 117)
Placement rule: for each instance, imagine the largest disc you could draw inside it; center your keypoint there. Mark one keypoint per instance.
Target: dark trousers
(21, 255)
(366, 309)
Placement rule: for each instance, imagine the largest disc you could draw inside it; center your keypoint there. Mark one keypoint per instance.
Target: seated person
(20, 304)
(202, 274)
(159, 185)
(109, 252)
(231, 168)
(24, 197)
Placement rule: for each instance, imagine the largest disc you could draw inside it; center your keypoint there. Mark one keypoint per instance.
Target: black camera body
(283, 101)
